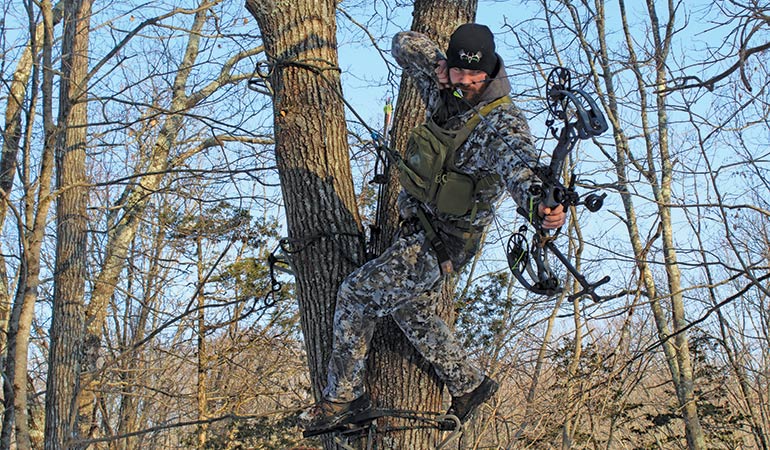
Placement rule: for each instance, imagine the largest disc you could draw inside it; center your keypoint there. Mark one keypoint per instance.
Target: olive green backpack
(428, 172)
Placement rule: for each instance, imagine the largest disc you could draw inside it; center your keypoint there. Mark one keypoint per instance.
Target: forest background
(153, 160)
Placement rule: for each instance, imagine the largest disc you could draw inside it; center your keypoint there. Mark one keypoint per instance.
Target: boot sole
(484, 395)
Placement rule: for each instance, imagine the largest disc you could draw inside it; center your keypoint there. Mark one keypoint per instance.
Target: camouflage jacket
(507, 151)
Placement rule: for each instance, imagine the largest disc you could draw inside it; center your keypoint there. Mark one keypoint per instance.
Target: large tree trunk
(68, 318)
(312, 157)
(436, 19)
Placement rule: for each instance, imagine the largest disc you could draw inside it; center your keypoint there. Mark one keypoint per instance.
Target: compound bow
(582, 119)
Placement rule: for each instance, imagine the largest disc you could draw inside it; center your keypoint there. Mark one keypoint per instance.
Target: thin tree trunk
(572, 406)
(131, 417)
(686, 388)
(122, 232)
(739, 371)
(11, 138)
(29, 271)
(736, 349)
(676, 350)
(8, 162)
(202, 356)
(542, 355)
(24, 307)
(623, 150)
(68, 318)
(735, 357)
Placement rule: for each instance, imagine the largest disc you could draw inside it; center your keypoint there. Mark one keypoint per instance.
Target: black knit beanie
(472, 46)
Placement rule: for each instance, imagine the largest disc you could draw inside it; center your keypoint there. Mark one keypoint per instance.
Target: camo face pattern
(404, 282)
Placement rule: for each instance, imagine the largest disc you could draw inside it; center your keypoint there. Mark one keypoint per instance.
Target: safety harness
(428, 173)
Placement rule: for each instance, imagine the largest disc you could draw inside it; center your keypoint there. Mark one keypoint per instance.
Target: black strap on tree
(384, 153)
(279, 255)
(286, 247)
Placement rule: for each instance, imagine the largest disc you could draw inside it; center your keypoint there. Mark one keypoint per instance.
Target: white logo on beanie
(470, 57)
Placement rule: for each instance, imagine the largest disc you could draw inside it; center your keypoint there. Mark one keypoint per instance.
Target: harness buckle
(445, 262)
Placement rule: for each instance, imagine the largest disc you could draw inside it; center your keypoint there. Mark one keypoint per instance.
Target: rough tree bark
(312, 157)
(71, 231)
(300, 40)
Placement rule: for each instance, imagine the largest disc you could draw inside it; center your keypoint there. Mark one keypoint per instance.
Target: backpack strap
(453, 143)
(486, 109)
(444, 261)
(463, 133)
(487, 181)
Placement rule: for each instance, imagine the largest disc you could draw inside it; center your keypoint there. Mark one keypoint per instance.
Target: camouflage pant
(404, 282)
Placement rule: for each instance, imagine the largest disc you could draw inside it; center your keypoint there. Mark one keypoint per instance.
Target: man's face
(470, 82)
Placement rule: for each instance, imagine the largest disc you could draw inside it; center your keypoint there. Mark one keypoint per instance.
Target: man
(438, 236)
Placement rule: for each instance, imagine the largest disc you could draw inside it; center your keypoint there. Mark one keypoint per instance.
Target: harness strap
(463, 133)
(485, 182)
(457, 140)
(444, 261)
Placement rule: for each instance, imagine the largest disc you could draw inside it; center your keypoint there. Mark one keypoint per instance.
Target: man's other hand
(442, 74)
